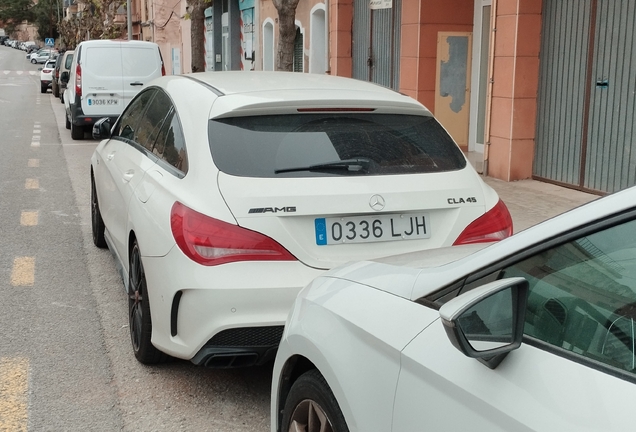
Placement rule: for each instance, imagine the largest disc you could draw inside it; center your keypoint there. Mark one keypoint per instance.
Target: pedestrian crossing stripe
(10, 72)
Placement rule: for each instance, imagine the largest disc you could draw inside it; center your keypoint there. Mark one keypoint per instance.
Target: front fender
(354, 335)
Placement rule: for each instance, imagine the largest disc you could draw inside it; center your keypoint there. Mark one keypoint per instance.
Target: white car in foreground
(222, 194)
(534, 333)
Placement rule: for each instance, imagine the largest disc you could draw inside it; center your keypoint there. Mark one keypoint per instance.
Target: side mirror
(64, 77)
(101, 129)
(487, 322)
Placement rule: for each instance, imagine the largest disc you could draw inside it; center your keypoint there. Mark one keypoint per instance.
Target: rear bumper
(222, 316)
(238, 347)
(78, 118)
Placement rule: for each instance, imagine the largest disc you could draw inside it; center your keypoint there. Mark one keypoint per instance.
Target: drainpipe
(129, 18)
(491, 70)
(328, 28)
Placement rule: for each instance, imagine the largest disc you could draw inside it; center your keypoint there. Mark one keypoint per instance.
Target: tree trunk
(197, 34)
(286, 33)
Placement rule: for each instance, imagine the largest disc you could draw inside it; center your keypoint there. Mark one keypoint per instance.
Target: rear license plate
(111, 102)
(367, 229)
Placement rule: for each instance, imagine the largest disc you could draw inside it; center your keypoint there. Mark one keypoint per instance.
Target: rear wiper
(352, 165)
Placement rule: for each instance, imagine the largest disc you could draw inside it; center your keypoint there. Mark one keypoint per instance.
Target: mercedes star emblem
(377, 203)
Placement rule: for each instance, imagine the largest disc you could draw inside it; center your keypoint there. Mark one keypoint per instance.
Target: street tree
(196, 13)
(46, 17)
(286, 33)
(14, 12)
(97, 21)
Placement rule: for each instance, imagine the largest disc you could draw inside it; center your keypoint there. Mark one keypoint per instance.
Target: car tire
(311, 398)
(62, 97)
(97, 223)
(56, 90)
(77, 132)
(34, 61)
(43, 88)
(68, 122)
(139, 317)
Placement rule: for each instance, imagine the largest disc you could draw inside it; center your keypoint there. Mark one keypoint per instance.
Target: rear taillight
(78, 80)
(211, 242)
(163, 70)
(495, 225)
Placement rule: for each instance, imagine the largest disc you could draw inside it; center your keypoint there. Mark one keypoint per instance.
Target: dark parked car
(61, 74)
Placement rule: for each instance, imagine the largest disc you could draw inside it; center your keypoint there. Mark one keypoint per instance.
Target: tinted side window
(583, 296)
(152, 121)
(126, 126)
(170, 144)
(69, 61)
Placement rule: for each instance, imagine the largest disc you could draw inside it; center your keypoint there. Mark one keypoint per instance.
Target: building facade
(530, 88)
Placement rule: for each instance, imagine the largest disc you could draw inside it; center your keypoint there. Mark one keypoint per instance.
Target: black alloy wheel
(97, 223)
(312, 407)
(140, 323)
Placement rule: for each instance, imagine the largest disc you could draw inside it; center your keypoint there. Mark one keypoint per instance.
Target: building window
(298, 51)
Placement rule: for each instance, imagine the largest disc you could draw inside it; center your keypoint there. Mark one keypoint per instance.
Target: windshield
(294, 145)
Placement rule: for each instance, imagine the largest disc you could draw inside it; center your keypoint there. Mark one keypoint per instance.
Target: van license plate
(92, 102)
(376, 228)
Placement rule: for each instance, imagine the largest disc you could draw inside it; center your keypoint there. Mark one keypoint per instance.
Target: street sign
(49, 42)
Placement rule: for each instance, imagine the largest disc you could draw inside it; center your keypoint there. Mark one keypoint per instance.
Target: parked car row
(333, 225)
(21, 45)
(42, 55)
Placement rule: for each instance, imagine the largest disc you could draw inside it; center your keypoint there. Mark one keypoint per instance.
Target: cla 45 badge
(462, 200)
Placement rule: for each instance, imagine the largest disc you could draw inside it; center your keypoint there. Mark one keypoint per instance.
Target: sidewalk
(531, 201)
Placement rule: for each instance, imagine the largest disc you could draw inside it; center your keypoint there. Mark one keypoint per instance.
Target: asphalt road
(65, 357)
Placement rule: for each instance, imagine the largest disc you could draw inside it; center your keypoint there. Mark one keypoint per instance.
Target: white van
(104, 77)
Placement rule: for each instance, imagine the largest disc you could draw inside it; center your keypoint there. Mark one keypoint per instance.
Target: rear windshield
(310, 145)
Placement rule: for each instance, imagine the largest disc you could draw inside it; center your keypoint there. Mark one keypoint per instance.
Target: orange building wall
(340, 35)
(513, 112)
(514, 93)
(421, 21)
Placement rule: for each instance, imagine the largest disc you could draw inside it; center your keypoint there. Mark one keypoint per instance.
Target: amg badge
(273, 210)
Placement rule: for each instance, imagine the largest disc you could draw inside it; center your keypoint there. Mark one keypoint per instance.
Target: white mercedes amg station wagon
(222, 194)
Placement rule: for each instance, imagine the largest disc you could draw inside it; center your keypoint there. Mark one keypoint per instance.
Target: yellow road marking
(33, 163)
(23, 273)
(32, 184)
(14, 374)
(29, 218)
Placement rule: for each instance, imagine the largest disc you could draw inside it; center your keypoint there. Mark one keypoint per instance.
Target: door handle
(136, 83)
(128, 175)
(110, 156)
